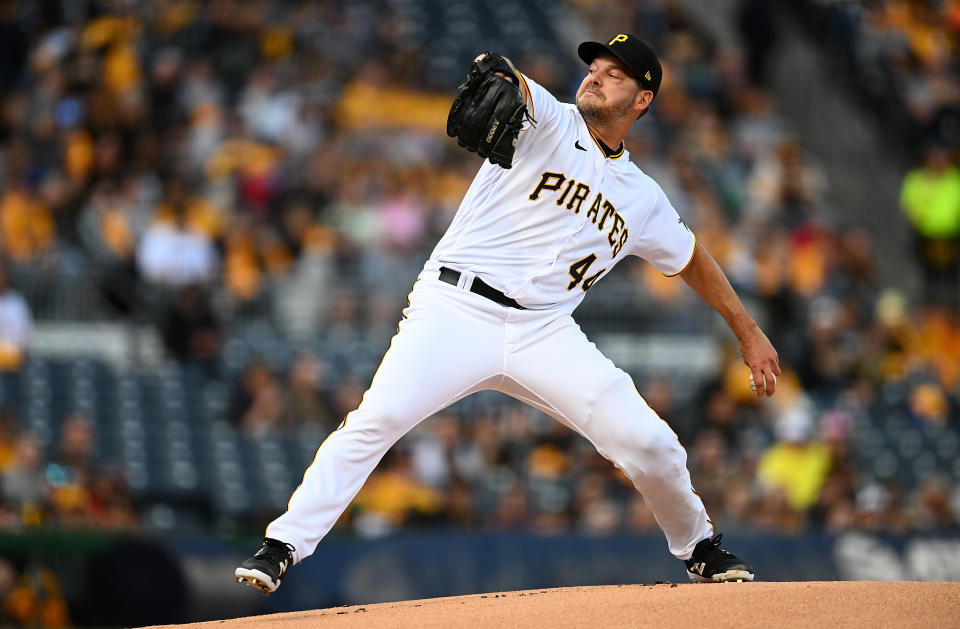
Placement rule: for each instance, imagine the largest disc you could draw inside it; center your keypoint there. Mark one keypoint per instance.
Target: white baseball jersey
(542, 232)
(545, 230)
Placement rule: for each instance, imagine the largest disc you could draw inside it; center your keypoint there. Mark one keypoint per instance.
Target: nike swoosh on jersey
(576, 144)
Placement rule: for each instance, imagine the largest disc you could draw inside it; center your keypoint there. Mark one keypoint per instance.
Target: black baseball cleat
(266, 568)
(712, 564)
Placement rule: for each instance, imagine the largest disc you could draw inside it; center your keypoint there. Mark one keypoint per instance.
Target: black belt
(479, 287)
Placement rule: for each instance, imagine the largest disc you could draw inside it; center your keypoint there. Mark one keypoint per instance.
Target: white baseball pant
(452, 343)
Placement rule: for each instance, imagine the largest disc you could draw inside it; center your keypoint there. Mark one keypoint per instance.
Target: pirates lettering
(572, 196)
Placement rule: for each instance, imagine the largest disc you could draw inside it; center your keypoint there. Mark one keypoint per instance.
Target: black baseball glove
(488, 111)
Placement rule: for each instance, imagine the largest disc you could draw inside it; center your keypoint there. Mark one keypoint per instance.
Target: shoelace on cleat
(276, 547)
(715, 543)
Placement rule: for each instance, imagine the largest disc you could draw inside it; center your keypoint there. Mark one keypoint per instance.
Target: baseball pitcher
(555, 206)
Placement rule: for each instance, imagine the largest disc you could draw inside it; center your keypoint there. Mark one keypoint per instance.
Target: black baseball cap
(633, 52)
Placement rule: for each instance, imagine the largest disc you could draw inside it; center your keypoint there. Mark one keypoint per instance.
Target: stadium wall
(137, 580)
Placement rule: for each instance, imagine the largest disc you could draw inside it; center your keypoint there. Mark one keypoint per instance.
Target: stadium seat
(886, 464)
(948, 446)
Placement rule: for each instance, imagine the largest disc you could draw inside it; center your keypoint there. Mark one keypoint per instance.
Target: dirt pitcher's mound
(671, 606)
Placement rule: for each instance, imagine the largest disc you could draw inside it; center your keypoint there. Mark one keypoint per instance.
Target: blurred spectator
(512, 510)
(935, 350)
(8, 576)
(661, 397)
(15, 324)
(932, 511)
(714, 469)
(930, 197)
(14, 46)
(548, 468)
(392, 498)
(639, 517)
(928, 406)
(797, 464)
(432, 450)
(878, 508)
(726, 411)
(27, 228)
(784, 183)
(112, 505)
(257, 404)
(191, 331)
(84, 492)
(71, 472)
(8, 438)
(37, 600)
(462, 512)
(773, 513)
(25, 487)
(175, 251)
(348, 395)
(757, 21)
(597, 512)
(834, 507)
(308, 397)
(108, 232)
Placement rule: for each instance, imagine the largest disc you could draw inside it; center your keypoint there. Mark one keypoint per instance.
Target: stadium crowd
(201, 166)
(903, 57)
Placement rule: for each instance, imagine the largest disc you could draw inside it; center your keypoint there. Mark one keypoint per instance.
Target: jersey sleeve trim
(527, 95)
(687, 263)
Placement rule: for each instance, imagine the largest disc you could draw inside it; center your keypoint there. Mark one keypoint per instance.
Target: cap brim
(589, 50)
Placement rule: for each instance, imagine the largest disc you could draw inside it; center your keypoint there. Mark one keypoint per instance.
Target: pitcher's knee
(660, 441)
(654, 451)
(378, 423)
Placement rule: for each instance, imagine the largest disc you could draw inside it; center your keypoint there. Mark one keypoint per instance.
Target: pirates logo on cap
(634, 53)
